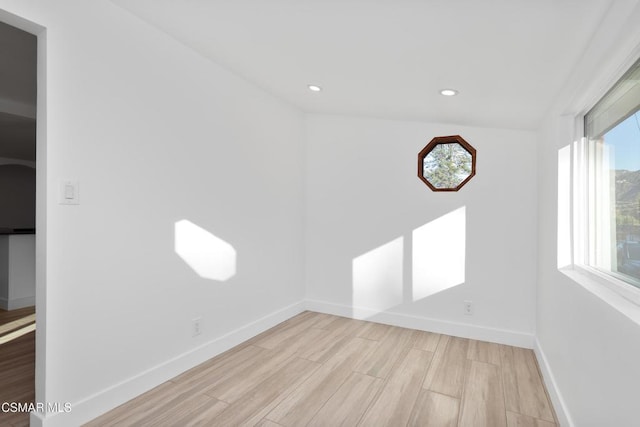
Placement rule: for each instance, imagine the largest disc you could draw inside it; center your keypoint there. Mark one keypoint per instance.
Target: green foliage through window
(447, 163)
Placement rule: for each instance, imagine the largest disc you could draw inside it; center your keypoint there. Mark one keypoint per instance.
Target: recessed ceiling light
(314, 88)
(448, 92)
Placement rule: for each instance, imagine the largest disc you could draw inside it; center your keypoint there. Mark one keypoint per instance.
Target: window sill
(609, 289)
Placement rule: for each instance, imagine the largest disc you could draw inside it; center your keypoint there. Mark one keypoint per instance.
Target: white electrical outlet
(468, 308)
(196, 326)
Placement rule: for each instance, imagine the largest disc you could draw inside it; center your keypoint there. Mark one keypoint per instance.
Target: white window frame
(584, 185)
(585, 188)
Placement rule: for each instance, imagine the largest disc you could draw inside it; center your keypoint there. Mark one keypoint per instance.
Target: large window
(612, 191)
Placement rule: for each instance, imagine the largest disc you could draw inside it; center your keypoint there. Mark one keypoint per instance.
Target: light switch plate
(69, 193)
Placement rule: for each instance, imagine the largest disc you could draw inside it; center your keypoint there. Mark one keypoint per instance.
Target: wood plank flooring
(17, 364)
(12, 315)
(322, 370)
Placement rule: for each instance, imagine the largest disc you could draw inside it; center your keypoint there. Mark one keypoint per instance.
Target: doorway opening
(22, 217)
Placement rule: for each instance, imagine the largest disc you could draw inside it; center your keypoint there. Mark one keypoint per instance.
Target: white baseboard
(105, 400)
(552, 387)
(464, 330)
(14, 304)
(4, 303)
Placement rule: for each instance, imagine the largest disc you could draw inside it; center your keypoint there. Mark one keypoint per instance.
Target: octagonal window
(447, 163)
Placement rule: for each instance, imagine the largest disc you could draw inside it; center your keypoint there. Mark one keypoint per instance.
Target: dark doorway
(18, 90)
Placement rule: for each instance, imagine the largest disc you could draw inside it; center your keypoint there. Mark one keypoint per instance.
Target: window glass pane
(447, 165)
(613, 131)
(617, 105)
(624, 143)
(616, 171)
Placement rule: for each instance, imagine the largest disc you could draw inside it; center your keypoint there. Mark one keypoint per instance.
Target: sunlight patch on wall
(439, 254)
(209, 256)
(564, 207)
(377, 277)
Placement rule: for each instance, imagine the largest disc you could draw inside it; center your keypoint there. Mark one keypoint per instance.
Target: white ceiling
(389, 58)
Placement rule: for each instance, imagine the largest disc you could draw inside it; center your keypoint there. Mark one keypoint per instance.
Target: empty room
(286, 213)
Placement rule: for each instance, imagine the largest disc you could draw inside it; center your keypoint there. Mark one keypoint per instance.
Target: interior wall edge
(117, 394)
(464, 330)
(559, 404)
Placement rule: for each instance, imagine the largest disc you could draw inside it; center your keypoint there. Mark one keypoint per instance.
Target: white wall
(22, 270)
(588, 348)
(17, 271)
(154, 133)
(363, 192)
(588, 342)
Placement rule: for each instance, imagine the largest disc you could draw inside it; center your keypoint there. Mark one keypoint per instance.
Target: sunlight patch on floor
(16, 329)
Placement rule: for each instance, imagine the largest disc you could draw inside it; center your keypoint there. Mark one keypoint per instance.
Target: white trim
(93, 406)
(608, 80)
(627, 290)
(41, 215)
(586, 161)
(560, 406)
(586, 214)
(40, 31)
(4, 304)
(465, 330)
(601, 286)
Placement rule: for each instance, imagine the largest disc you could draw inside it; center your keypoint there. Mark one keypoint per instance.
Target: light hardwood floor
(17, 364)
(322, 370)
